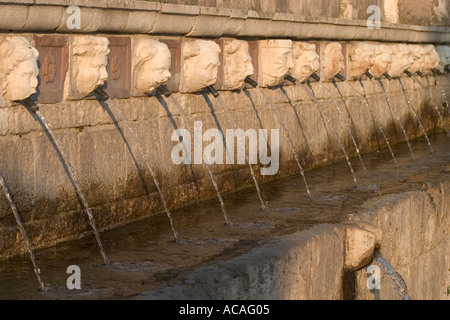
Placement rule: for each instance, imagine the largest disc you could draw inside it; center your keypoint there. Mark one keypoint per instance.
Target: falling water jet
(189, 124)
(102, 94)
(377, 124)
(313, 96)
(233, 123)
(444, 94)
(413, 111)
(394, 276)
(69, 168)
(397, 117)
(432, 102)
(22, 230)
(353, 137)
(296, 157)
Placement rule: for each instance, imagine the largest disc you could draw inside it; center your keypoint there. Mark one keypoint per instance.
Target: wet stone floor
(145, 256)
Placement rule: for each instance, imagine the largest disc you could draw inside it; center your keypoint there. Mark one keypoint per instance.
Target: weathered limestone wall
(118, 192)
(310, 264)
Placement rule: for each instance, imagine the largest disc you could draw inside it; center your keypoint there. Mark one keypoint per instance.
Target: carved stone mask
(18, 68)
(361, 58)
(418, 55)
(444, 57)
(275, 61)
(237, 63)
(90, 57)
(383, 60)
(151, 64)
(332, 61)
(431, 60)
(306, 61)
(402, 59)
(200, 65)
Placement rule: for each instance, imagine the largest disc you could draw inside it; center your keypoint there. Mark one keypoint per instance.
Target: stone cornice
(143, 17)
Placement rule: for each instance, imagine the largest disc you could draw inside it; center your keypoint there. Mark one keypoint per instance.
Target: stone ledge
(183, 20)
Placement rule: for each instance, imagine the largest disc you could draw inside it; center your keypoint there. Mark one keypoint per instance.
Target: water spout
(72, 175)
(387, 76)
(397, 117)
(190, 127)
(433, 102)
(296, 156)
(233, 123)
(413, 111)
(368, 74)
(394, 276)
(102, 95)
(99, 91)
(409, 74)
(340, 77)
(213, 91)
(251, 82)
(374, 119)
(310, 92)
(315, 76)
(163, 89)
(23, 232)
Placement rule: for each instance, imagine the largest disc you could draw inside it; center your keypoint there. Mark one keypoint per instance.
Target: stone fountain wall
(113, 175)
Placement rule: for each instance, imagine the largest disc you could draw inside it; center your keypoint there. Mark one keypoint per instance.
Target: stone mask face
(444, 57)
(237, 63)
(306, 61)
(151, 64)
(383, 60)
(402, 59)
(275, 61)
(90, 60)
(361, 58)
(418, 55)
(431, 59)
(332, 60)
(200, 65)
(19, 68)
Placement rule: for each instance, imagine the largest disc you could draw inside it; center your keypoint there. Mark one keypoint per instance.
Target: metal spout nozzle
(434, 71)
(340, 77)
(420, 74)
(163, 89)
(101, 94)
(30, 104)
(290, 78)
(447, 68)
(409, 74)
(213, 91)
(251, 82)
(315, 76)
(368, 74)
(387, 76)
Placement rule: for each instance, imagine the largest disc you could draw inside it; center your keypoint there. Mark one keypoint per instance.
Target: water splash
(57, 144)
(394, 276)
(188, 122)
(433, 102)
(346, 123)
(296, 157)
(374, 119)
(397, 117)
(411, 108)
(230, 117)
(22, 230)
(147, 162)
(313, 96)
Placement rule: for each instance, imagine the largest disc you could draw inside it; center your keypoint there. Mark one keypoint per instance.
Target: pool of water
(144, 254)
